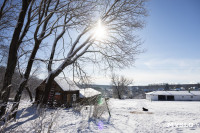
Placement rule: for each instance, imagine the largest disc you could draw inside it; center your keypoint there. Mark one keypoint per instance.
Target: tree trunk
(17, 99)
(118, 93)
(29, 93)
(12, 57)
(24, 81)
(30, 64)
(51, 77)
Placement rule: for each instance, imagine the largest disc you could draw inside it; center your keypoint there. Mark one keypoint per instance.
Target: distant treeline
(138, 92)
(152, 86)
(32, 83)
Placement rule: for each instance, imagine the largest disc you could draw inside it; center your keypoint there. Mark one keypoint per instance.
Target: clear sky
(172, 42)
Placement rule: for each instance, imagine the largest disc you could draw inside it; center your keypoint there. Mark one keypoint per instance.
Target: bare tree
(3, 53)
(75, 22)
(53, 14)
(44, 15)
(166, 88)
(8, 11)
(118, 49)
(15, 42)
(120, 86)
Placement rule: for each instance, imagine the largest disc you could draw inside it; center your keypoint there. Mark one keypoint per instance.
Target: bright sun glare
(100, 31)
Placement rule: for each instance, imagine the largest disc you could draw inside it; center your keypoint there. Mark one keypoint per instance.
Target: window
(74, 97)
(57, 93)
(191, 96)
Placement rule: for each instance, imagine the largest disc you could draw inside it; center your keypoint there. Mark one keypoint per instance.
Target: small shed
(173, 96)
(89, 96)
(88, 92)
(63, 92)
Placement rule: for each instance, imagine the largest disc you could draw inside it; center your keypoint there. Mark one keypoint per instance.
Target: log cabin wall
(60, 97)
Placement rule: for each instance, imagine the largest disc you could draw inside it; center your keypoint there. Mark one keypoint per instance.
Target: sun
(100, 31)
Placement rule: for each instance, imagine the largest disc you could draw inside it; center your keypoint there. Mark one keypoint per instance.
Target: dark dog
(144, 109)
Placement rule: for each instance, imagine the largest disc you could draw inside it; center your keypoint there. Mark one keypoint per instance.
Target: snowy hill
(126, 117)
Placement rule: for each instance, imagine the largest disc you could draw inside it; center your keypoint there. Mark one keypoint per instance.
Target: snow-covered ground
(126, 117)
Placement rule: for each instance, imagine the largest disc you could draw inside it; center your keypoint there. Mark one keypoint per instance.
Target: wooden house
(63, 92)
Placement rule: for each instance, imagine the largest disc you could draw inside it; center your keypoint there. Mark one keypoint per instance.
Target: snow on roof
(174, 93)
(88, 92)
(66, 84)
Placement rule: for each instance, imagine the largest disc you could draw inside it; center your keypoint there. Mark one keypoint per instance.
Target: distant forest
(32, 83)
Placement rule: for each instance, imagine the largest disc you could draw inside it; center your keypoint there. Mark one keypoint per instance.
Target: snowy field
(126, 117)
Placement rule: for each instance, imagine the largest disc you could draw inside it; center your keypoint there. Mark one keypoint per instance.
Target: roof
(88, 92)
(66, 84)
(174, 93)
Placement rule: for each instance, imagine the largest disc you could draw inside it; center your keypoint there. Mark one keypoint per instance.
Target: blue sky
(173, 29)
(172, 42)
